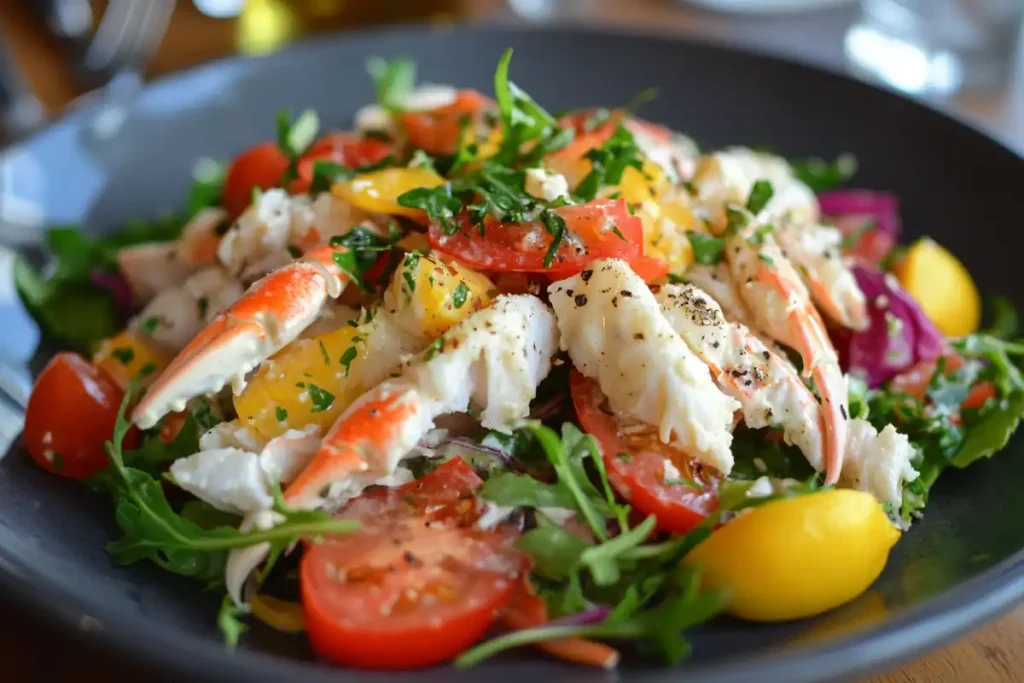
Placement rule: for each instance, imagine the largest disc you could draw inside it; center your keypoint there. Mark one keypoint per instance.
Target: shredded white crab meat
(177, 315)
(235, 473)
(614, 331)
(156, 267)
(878, 462)
(727, 176)
(769, 390)
(266, 234)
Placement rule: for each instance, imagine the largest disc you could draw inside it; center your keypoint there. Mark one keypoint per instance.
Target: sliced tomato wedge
(636, 465)
(437, 131)
(599, 229)
(417, 584)
(70, 415)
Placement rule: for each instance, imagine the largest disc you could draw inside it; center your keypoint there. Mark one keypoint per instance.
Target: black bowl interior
(961, 564)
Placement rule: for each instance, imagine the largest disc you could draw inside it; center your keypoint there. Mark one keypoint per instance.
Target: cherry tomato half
(598, 229)
(437, 131)
(261, 166)
(71, 413)
(264, 165)
(914, 381)
(416, 585)
(636, 465)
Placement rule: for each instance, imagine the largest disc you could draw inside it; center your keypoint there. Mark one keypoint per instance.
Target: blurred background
(963, 54)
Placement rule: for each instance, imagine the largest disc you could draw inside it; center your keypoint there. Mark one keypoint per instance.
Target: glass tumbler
(937, 47)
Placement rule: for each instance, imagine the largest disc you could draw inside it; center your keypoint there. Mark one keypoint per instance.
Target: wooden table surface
(28, 651)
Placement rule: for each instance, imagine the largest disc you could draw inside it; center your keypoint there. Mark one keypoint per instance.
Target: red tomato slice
(416, 585)
(522, 247)
(437, 131)
(70, 414)
(636, 465)
(261, 166)
(341, 148)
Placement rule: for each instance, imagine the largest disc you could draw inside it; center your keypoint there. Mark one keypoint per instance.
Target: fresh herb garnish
(321, 398)
(347, 357)
(459, 295)
(152, 530)
(821, 175)
(707, 250)
(281, 414)
(393, 80)
(438, 203)
(294, 139)
(760, 194)
(363, 247)
(124, 354)
(609, 162)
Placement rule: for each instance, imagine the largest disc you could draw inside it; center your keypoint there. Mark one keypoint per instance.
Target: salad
(474, 377)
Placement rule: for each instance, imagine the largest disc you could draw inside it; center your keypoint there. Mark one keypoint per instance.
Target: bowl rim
(933, 622)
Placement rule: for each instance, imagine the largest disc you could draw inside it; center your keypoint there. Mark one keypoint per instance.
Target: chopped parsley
(436, 347)
(363, 247)
(321, 398)
(459, 295)
(766, 259)
(707, 250)
(735, 219)
(323, 352)
(555, 225)
(123, 354)
(439, 203)
(281, 414)
(148, 326)
(760, 194)
(762, 231)
(609, 162)
(347, 357)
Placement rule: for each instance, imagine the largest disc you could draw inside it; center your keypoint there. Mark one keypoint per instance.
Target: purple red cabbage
(900, 334)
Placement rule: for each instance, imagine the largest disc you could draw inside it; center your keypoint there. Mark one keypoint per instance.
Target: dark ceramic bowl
(961, 565)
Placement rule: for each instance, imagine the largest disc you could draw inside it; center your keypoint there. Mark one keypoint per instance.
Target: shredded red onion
(590, 616)
(115, 283)
(861, 205)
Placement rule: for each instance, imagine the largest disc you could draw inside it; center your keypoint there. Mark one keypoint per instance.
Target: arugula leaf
(991, 434)
(229, 621)
(821, 175)
(521, 490)
(707, 250)
(684, 606)
(641, 98)
(523, 120)
(393, 79)
(153, 530)
(556, 552)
